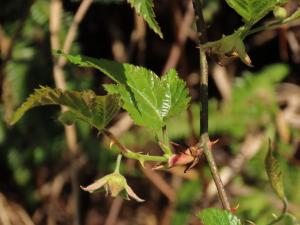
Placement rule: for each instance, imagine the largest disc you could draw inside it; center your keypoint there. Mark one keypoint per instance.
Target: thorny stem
(204, 138)
(133, 155)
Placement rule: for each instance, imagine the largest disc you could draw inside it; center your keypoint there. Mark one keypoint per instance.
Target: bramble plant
(151, 101)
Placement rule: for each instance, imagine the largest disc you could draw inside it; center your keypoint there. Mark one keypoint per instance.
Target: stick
(204, 138)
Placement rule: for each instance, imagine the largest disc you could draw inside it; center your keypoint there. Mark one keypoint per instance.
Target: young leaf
(97, 111)
(274, 172)
(114, 70)
(253, 10)
(229, 46)
(214, 216)
(150, 100)
(145, 9)
(67, 117)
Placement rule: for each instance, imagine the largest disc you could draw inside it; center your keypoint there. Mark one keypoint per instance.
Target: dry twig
(248, 149)
(12, 213)
(181, 38)
(70, 131)
(114, 211)
(160, 184)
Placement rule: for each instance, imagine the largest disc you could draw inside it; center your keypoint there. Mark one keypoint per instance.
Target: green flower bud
(279, 12)
(116, 183)
(113, 184)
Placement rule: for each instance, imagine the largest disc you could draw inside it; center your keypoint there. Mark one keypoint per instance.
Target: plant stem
(117, 169)
(283, 212)
(204, 138)
(133, 155)
(275, 24)
(165, 145)
(142, 158)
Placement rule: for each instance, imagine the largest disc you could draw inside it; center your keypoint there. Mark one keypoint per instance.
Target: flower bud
(279, 12)
(116, 183)
(181, 159)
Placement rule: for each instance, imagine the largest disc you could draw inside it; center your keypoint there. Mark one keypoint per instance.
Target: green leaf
(97, 111)
(114, 70)
(274, 172)
(150, 100)
(145, 9)
(214, 216)
(253, 10)
(67, 117)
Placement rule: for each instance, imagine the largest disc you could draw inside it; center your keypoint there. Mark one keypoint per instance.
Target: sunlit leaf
(67, 117)
(86, 106)
(214, 216)
(145, 9)
(150, 100)
(253, 10)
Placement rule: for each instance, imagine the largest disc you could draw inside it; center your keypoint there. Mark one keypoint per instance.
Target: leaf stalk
(133, 155)
(117, 169)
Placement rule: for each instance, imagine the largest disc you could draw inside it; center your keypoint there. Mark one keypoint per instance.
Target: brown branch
(114, 211)
(204, 138)
(182, 35)
(12, 213)
(11, 43)
(78, 17)
(222, 81)
(160, 184)
(248, 149)
(170, 210)
(137, 39)
(53, 188)
(7, 47)
(70, 131)
(59, 79)
(122, 125)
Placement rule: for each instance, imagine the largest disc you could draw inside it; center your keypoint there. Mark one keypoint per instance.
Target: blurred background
(42, 164)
